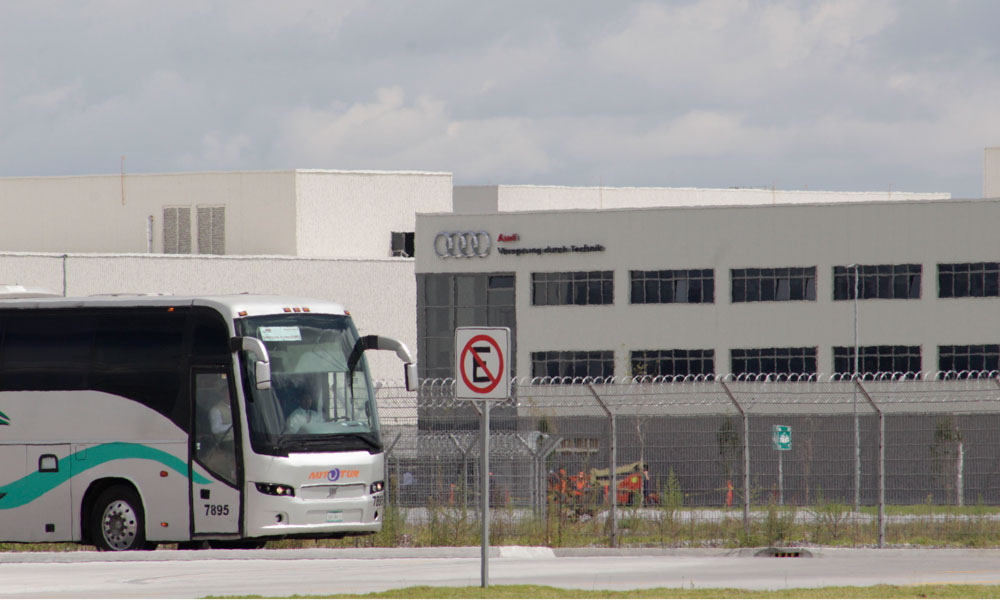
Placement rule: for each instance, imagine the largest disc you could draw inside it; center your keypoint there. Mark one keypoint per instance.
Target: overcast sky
(835, 95)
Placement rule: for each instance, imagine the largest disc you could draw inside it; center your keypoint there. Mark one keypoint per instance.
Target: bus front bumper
(297, 515)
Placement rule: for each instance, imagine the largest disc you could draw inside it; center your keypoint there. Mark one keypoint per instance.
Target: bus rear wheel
(117, 521)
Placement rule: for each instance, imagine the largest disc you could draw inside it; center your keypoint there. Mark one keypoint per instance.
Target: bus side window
(211, 337)
(48, 351)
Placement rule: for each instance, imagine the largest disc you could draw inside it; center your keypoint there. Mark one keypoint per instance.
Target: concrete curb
(463, 552)
(496, 552)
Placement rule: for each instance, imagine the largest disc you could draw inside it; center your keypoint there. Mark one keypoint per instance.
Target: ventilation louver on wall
(177, 230)
(211, 230)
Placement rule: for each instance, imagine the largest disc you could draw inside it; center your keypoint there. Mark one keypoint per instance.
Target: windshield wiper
(347, 441)
(369, 439)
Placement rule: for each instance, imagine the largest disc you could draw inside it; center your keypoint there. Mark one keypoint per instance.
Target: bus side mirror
(263, 365)
(410, 376)
(378, 342)
(263, 370)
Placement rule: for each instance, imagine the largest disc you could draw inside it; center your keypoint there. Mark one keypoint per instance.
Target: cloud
(49, 100)
(841, 94)
(391, 132)
(365, 127)
(220, 150)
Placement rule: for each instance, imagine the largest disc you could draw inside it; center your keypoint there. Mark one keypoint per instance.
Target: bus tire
(117, 521)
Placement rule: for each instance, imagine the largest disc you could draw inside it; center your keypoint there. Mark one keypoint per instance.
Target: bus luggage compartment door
(47, 515)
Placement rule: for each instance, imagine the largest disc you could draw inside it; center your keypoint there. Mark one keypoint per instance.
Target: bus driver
(304, 414)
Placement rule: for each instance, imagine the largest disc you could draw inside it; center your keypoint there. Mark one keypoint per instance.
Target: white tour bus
(131, 421)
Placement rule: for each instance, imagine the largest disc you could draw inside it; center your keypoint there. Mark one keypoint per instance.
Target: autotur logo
(4, 419)
(335, 474)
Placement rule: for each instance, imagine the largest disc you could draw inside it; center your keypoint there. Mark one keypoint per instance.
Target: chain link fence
(864, 458)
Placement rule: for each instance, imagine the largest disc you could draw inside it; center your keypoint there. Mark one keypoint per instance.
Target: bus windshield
(319, 401)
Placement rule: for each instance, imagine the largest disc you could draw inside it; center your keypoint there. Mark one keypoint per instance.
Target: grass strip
(539, 591)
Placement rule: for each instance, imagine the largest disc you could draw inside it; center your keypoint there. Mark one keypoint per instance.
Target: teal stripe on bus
(33, 486)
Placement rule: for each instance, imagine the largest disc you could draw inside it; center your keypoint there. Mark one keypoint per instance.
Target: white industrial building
(693, 287)
(305, 213)
(348, 236)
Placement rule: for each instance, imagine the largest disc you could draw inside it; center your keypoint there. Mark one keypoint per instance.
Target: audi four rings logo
(462, 244)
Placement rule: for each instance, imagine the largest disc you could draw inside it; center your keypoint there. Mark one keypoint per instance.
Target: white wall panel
(342, 214)
(991, 173)
(108, 213)
(516, 198)
(352, 214)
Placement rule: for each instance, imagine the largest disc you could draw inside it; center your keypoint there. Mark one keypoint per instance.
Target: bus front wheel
(117, 520)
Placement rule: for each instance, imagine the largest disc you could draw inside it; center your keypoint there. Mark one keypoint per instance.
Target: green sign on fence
(781, 437)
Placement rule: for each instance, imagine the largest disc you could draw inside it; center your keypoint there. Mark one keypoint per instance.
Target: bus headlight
(275, 489)
(376, 487)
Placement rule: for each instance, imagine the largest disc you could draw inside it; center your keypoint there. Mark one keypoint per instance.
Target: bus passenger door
(215, 486)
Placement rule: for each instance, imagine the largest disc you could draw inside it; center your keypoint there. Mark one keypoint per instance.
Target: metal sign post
(484, 439)
(781, 440)
(482, 373)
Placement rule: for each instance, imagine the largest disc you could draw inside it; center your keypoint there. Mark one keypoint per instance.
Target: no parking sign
(482, 369)
(482, 372)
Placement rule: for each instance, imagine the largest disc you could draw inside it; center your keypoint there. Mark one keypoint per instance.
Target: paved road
(193, 574)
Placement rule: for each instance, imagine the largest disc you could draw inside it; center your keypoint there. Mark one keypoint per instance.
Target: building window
(774, 285)
(596, 364)
(446, 301)
(402, 243)
(177, 230)
(581, 287)
(694, 286)
(877, 281)
(877, 359)
(969, 280)
(672, 363)
(964, 362)
(211, 230)
(773, 361)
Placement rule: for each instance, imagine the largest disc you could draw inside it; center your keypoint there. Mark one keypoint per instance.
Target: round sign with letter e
(482, 367)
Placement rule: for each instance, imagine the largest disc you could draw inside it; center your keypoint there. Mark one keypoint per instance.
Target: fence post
(960, 474)
(613, 473)
(881, 463)
(746, 457)
(533, 482)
